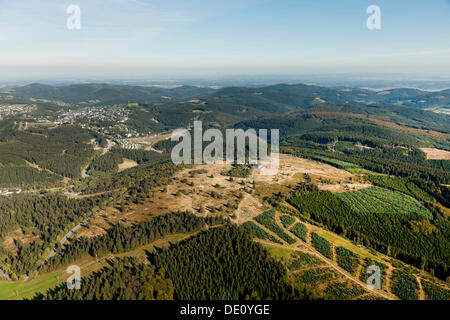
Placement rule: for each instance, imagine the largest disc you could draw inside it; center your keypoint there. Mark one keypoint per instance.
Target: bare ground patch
(343, 187)
(200, 189)
(292, 170)
(436, 154)
(249, 208)
(126, 164)
(10, 239)
(291, 167)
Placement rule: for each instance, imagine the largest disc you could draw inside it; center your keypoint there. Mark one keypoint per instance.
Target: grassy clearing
(126, 164)
(339, 241)
(436, 154)
(343, 146)
(350, 167)
(17, 290)
(278, 252)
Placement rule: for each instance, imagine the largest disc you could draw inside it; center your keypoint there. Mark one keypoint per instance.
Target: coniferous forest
(105, 192)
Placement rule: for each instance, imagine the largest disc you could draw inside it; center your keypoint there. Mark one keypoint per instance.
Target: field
(27, 289)
(126, 164)
(292, 170)
(350, 167)
(381, 200)
(436, 154)
(17, 290)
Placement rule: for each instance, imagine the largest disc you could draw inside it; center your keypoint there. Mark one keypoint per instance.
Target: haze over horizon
(142, 39)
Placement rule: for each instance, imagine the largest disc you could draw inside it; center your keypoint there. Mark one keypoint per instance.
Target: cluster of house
(10, 191)
(129, 145)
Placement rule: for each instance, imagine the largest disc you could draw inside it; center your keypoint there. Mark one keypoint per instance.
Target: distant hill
(434, 99)
(302, 95)
(106, 93)
(278, 98)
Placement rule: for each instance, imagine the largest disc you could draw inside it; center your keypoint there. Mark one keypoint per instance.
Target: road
(70, 233)
(74, 229)
(105, 150)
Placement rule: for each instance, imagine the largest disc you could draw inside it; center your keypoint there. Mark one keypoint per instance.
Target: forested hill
(93, 166)
(228, 106)
(286, 96)
(106, 93)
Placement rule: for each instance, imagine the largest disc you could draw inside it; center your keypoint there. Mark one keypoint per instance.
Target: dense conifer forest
(216, 264)
(121, 238)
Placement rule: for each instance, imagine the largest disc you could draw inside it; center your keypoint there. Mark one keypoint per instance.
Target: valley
(360, 182)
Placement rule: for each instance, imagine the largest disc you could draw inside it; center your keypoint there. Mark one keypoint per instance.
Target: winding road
(70, 233)
(105, 150)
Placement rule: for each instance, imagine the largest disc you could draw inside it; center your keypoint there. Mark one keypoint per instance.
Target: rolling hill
(274, 98)
(106, 93)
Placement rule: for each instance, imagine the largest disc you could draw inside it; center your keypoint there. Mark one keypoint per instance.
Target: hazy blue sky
(140, 37)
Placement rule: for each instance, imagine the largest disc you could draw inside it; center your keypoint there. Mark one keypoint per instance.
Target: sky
(149, 38)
